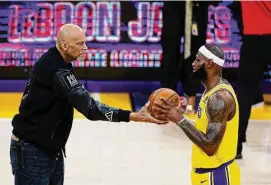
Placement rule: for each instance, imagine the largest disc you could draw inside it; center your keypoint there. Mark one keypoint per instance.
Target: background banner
(123, 37)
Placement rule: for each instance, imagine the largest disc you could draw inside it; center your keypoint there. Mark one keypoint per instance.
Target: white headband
(203, 50)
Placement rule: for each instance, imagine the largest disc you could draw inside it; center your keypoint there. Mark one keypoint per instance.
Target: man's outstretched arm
(68, 88)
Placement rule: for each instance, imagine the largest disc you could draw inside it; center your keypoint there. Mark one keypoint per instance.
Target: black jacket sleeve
(67, 87)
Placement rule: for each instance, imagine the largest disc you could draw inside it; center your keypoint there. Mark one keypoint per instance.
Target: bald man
(43, 124)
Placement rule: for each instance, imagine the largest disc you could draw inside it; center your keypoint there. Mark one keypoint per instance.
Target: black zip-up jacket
(46, 111)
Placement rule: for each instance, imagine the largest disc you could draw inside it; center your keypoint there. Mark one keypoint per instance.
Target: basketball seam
(171, 96)
(151, 103)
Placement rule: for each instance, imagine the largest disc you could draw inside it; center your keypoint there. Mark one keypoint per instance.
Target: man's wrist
(132, 116)
(181, 121)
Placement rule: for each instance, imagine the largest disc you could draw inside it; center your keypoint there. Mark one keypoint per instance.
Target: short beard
(199, 75)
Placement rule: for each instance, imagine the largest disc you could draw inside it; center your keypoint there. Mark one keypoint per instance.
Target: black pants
(174, 67)
(172, 31)
(254, 59)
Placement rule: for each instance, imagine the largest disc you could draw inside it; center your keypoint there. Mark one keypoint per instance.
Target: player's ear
(209, 63)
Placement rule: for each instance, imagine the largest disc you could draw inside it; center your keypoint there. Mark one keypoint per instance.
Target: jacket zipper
(53, 134)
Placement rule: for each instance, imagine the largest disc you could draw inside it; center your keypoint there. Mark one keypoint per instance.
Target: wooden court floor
(102, 153)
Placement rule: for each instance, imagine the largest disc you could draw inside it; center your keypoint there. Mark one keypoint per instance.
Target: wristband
(124, 115)
(189, 107)
(180, 122)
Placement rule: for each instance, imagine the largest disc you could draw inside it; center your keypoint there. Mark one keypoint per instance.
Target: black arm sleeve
(66, 86)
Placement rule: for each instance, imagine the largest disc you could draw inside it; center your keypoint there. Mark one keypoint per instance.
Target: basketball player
(215, 133)
(42, 127)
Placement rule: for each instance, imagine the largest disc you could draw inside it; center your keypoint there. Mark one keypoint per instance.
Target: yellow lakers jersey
(227, 148)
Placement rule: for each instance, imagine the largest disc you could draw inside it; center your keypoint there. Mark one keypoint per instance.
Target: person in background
(174, 66)
(254, 59)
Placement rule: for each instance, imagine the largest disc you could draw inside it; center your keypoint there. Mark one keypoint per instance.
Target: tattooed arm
(220, 105)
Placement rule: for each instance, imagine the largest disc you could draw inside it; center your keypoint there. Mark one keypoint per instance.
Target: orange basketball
(168, 94)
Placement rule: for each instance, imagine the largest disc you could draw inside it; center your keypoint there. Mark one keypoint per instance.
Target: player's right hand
(172, 113)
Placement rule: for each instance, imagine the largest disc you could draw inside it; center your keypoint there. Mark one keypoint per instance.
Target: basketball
(168, 94)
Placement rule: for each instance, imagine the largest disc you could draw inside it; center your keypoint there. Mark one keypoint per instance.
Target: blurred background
(124, 62)
(134, 48)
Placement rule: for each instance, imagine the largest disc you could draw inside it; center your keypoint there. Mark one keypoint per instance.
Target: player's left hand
(172, 113)
(144, 116)
(183, 103)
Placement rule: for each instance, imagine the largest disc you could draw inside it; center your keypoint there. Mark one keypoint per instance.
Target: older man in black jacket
(43, 124)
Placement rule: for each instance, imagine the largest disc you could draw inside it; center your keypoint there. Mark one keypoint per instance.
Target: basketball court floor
(104, 153)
